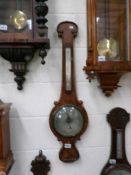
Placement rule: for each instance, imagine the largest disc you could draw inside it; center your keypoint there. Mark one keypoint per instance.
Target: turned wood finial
(40, 165)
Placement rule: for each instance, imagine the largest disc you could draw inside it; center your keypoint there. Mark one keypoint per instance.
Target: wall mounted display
(117, 163)
(40, 165)
(109, 47)
(6, 156)
(23, 30)
(68, 119)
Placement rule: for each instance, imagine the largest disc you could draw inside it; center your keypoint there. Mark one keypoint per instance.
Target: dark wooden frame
(118, 119)
(15, 47)
(107, 72)
(67, 31)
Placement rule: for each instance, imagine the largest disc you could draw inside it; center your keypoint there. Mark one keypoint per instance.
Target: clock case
(19, 47)
(108, 73)
(67, 30)
(6, 155)
(118, 119)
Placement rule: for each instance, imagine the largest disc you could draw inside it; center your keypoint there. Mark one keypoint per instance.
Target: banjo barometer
(68, 119)
(117, 163)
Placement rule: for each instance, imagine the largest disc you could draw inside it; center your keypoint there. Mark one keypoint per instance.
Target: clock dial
(108, 48)
(68, 121)
(19, 20)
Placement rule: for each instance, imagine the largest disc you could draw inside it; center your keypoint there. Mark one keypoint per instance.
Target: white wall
(31, 107)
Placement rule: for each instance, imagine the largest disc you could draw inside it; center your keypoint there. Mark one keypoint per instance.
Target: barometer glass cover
(68, 121)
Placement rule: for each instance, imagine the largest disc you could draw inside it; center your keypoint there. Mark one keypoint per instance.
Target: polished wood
(108, 72)
(117, 119)
(6, 156)
(68, 31)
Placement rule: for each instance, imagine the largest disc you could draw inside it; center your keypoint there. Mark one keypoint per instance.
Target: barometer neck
(68, 31)
(118, 145)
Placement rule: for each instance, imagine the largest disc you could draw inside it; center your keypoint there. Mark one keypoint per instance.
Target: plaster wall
(31, 107)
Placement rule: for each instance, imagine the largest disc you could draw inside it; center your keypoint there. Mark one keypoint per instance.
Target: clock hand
(68, 119)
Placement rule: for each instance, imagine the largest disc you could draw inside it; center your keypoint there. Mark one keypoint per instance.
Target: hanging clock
(68, 119)
(23, 30)
(109, 46)
(117, 163)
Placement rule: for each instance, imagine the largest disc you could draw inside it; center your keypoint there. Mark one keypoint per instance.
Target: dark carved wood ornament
(23, 30)
(40, 165)
(68, 119)
(117, 163)
(109, 47)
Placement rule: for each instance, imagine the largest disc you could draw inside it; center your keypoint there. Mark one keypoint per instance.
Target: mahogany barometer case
(68, 119)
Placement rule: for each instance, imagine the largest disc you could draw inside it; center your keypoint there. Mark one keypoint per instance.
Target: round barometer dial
(68, 121)
(108, 48)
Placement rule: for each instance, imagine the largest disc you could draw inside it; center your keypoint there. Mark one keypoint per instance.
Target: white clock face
(120, 172)
(68, 121)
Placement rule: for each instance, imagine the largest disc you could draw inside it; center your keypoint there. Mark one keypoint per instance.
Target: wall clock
(23, 30)
(117, 163)
(109, 47)
(68, 119)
